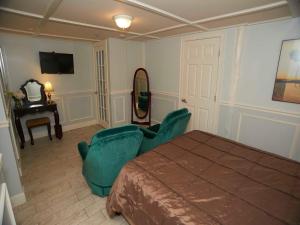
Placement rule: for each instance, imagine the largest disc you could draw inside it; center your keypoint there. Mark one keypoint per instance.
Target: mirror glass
(33, 90)
(141, 93)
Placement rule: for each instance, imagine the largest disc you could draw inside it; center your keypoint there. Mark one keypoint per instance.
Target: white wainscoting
(264, 128)
(76, 109)
(162, 104)
(120, 107)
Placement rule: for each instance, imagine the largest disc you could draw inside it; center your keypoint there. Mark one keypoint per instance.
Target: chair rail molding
(4, 124)
(261, 109)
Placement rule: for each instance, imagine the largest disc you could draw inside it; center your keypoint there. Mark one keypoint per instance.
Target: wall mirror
(141, 98)
(34, 92)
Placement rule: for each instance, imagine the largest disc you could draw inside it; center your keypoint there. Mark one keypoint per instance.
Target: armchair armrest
(154, 128)
(83, 148)
(148, 133)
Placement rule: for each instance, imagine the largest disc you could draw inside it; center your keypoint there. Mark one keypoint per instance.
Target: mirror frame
(42, 90)
(148, 91)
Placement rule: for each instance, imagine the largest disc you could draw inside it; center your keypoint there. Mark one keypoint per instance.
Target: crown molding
(47, 35)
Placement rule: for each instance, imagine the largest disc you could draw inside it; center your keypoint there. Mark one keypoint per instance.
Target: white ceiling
(92, 19)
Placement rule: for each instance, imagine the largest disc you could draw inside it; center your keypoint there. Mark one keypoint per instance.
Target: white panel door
(102, 84)
(199, 81)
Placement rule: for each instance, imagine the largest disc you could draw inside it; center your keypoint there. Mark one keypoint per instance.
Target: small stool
(43, 121)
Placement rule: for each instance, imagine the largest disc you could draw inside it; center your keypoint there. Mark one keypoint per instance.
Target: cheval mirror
(141, 98)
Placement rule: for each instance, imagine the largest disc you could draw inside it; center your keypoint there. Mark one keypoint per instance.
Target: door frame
(199, 36)
(102, 44)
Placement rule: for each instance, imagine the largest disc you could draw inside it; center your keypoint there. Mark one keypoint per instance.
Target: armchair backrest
(109, 151)
(174, 124)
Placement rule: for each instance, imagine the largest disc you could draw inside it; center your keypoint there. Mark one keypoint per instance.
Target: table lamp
(48, 89)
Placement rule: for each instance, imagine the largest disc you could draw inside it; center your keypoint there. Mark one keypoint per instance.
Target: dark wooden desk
(36, 108)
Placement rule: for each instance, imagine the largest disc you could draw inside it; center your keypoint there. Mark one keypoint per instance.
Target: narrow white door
(199, 81)
(102, 84)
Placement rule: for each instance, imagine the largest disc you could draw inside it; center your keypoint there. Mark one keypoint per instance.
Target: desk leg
(20, 131)
(57, 126)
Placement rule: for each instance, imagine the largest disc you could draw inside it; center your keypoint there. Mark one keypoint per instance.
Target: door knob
(184, 100)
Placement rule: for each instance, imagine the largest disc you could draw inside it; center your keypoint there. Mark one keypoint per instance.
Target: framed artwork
(287, 82)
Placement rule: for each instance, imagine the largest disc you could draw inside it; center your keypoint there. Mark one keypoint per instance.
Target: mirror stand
(141, 98)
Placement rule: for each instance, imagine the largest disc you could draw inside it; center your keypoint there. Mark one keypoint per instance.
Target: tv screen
(56, 63)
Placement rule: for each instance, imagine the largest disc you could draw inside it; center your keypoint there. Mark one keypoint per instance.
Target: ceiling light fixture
(123, 21)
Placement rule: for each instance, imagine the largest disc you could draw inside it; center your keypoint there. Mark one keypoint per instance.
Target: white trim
(96, 26)
(145, 7)
(90, 96)
(18, 199)
(293, 148)
(119, 92)
(115, 111)
(261, 109)
(269, 119)
(165, 93)
(244, 11)
(167, 28)
(236, 65)
(103, 45)
(174, 101)
(234, 14)
(20, 12)
(52, 7)
(47, 35)
(237, 138)
(53, 19)
(74, 92)
(4, 124)
(79, 125)
(163, 13)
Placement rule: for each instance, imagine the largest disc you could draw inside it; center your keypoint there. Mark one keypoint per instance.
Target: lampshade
(123, 21)
(48, 87)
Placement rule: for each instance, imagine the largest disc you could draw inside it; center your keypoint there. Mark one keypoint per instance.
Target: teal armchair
(108, 152)
(173, 125)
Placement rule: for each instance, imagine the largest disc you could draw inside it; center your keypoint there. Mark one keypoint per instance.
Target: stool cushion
(37, 122)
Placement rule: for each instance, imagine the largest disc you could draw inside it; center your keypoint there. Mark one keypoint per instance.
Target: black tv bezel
(43, 71)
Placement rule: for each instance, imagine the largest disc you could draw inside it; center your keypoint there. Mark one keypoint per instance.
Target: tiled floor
(55, 189)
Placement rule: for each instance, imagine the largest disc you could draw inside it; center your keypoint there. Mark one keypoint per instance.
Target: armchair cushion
(109, 151)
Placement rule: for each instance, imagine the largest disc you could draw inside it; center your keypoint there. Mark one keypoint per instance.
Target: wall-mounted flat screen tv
(56, 63)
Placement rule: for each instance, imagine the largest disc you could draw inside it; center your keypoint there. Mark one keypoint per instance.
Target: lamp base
(49, 98)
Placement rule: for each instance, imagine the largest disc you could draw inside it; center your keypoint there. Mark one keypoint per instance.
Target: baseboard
(64, 128)
(18, 199)
(79, 125)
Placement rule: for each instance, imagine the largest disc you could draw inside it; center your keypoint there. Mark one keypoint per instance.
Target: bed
(199, 178)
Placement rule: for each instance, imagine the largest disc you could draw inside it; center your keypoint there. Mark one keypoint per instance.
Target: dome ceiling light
(123, 21)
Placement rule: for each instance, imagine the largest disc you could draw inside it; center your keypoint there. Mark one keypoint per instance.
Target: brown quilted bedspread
(203, 179)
